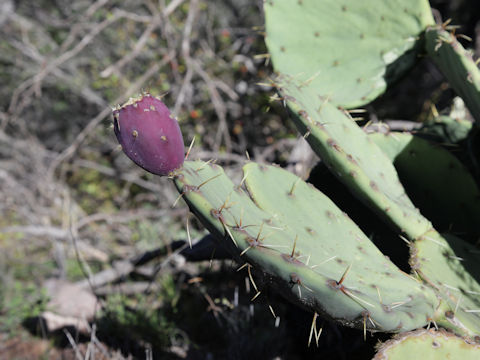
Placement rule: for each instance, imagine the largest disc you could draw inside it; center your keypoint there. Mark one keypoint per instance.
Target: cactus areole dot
(149, 135)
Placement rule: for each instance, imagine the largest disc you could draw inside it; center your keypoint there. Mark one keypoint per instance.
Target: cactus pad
(310, 251)
(346, 50)
(447, 129)
(457, 65)
(429, 344)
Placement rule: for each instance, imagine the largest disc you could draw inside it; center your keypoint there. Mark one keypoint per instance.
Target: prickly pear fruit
(149, 135)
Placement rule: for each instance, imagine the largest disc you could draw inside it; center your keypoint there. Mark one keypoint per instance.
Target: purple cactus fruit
(149, 136)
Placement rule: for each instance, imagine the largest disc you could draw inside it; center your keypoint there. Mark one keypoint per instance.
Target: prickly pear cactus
(367, 171)
(348, 50)
(311, 252)
(333, 55)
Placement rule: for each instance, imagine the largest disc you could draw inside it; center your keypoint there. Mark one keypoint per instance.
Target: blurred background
(94, 261)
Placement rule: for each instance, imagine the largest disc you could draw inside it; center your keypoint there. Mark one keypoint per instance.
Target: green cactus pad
(429, 345)
(441, 186)
(457, 65)
(354, 158)
(451, 266)
(310, 251)
(349, 50)
(447, 129)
